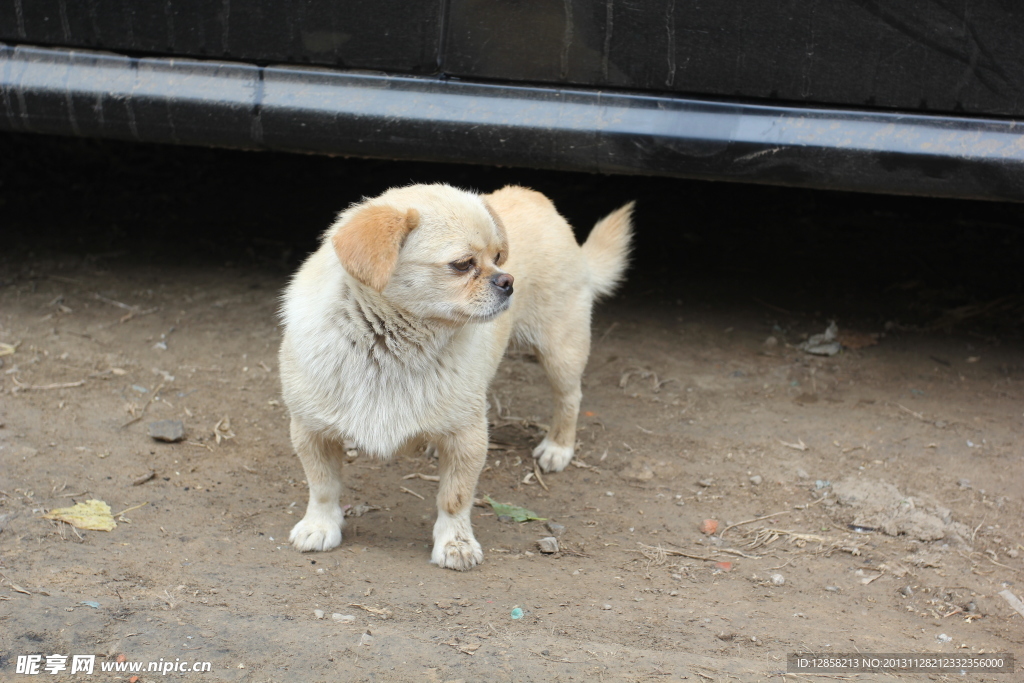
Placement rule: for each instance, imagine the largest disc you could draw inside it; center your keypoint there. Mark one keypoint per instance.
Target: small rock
(832, 589)
(706, 482)
(606, 607)
(366, 639)
(506, 518)
(756, 480)
(822, 483)
(344, 618)
(318, 613)
(673, 593)
(709, 526)
(907, 591)
(517, 613)
(167, 430)
(943, 638)
(555, 529)
(964, 483)
(723, 566)
(802, 473)
(778, 579)
(1012, 552)
(548, 545)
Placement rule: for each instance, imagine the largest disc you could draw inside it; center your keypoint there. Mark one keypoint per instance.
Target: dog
(395, 326)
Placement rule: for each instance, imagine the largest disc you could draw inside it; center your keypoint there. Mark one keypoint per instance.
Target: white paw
(454, 544)
(318, 530)
(552, 457)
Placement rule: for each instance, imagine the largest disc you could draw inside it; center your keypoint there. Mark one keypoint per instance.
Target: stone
(167, 430)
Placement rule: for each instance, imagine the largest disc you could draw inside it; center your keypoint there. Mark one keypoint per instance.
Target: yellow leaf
(92, 514)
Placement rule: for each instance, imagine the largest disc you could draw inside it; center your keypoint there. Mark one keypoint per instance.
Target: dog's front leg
(320, 528)
(461, 455)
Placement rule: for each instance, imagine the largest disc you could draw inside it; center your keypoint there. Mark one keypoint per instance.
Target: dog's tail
(606, 250)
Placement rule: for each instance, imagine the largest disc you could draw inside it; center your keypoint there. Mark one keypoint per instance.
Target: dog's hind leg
(461, 457)
(563, 356)
(320, 528)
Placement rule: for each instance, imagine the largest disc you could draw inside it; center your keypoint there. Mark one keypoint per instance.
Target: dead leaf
(222, 430)
(92, 514)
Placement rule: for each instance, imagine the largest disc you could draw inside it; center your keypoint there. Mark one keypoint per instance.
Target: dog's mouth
(493, 311)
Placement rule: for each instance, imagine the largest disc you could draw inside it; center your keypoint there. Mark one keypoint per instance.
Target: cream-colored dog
(395, 326)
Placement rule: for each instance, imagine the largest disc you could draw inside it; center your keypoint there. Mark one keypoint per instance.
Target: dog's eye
(462, 266)
(497, 257)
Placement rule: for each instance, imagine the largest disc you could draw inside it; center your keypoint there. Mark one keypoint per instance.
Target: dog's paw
(551, 456)
(318, 531)
(454, 544)
(459, 554)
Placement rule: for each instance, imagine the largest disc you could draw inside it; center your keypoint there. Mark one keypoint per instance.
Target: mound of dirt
(879, 505)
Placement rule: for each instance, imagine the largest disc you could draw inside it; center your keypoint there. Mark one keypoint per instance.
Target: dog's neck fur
(389, 331)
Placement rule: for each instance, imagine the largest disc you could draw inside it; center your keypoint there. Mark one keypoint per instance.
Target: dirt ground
(869, 501)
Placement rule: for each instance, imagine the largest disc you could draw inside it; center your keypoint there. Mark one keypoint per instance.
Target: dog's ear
(367, 244)
(502, 235)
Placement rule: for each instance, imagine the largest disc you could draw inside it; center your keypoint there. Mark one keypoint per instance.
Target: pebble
(756, 480)
(555, 529)
(366, 639)
(943, 638)
(778, 579)
(832, 589)
(344, 618)
(907, 591)
(606, 607)
(723, 566)
(167, 430)
(706, 482)
(709, 526)
(802, 473)
(318, 613)
(517, 613)
(548, 545)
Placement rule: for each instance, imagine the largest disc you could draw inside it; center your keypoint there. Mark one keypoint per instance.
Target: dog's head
(431, 250)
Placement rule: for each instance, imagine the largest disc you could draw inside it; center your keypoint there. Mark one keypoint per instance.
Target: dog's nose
(503, 281)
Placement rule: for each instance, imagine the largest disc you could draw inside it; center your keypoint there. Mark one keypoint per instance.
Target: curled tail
(606, 250)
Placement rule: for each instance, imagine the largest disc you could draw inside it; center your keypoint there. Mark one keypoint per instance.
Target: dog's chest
(383, 392)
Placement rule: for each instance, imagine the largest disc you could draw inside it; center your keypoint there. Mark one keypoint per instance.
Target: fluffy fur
(395, 326)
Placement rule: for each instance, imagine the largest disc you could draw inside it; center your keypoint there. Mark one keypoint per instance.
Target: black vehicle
(902, 96)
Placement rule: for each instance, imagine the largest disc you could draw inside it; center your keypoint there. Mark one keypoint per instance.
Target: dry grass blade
(382, 612)
(424, 477)
(19, 386)
(536, 473)
(648, 550)
(750, 521)
(767, 535)
(152, 397)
